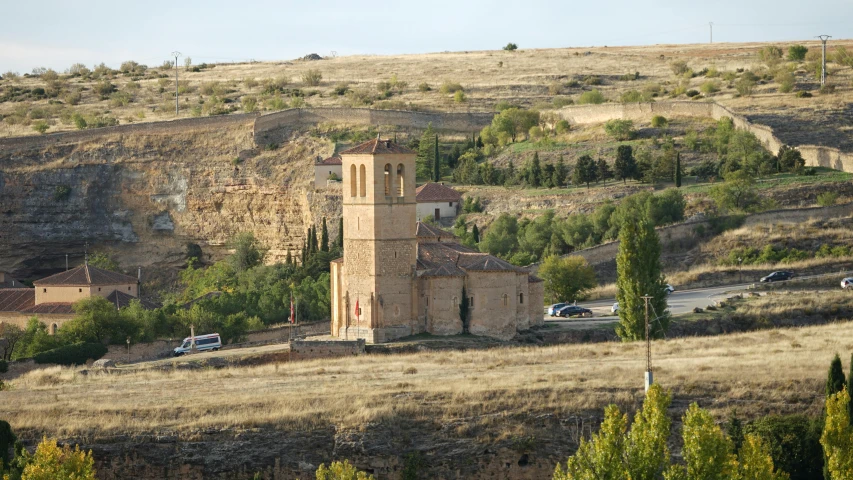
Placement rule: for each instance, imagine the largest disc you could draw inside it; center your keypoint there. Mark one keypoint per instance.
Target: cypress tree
(305, 250)
(426, 154)
(534, 173)
(480, 142)
(340, 241)
(835, 379)
(638, 273)
(678, 170)
(324, 238)
(475, 234)
(289, 260)
(463, 310)
(436, 170)
(850, 389)
(625, 164)
(313, 239)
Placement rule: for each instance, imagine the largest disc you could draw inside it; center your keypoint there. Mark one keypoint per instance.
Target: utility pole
(649, 379)
(711, 26)
(176, 54)
(823, 39)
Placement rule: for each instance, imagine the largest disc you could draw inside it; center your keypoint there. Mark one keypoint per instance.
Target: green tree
(324, 237)
(248, 252)
(7, 440)
(104, 261)
(850, 389)
(837, 438)
(646, 452)
(620, 129)
(797, 53)
(678, 170)
(510, 47)
(835, 378)
(426, 153)
(600, 458)
(737, 193)
(96, 320)
(340, 240)
(436, 171)
(463, 311)
(341, 471)
(638, 273)
(707, 451)
(561, 172)
(755, 461)
(790, 160)
(566, 278)
(794, 442)
(734, 429)
(52, 462)
(534, 171)
(501, 238)
(585, 171)
(514, 121)
(603, 171)
(475, 234)
(625, 165)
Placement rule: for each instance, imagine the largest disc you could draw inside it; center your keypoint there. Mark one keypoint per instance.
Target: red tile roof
(17, 299)
(427, 230)
(436, 192)
(50, 308)
(122, 300)
(333, 160)
(7, 281)
(378, 147)
(87, 275)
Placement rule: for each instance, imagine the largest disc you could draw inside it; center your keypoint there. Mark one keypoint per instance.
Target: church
(399, 277)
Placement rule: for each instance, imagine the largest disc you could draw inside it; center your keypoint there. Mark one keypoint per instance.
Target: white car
(614, 308)
(203, 343)
(669, 289)
(847, 283)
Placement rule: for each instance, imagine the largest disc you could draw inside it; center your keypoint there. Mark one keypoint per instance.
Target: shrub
(827, 199)
(633, 96)
(61, 192)
(276, 103)
(448, 87)
(691, 93)
(424, 87)
(459, 96)
(827, 89)
(250, 82)
(250, 103)
(804, 94)
(41, 126)
(591, 97)
(745, 86)
(679, 67)
(555, 88)
(794, 442)
(312, 77)
(620, 129)
(510, 47)
(341, 471)
(710, 87)
(659, 121)
(797, 53)
(4, 366)
(120, 99)
(786, 81)
(592, 80)
(104, 88)
(341, 89)
(562, 126)
(74, 354)
(630, 77)
(770, 54)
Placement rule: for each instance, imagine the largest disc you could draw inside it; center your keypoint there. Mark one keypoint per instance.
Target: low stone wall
(800, 215)
(18, 368)
(308, 350)
(139, 352)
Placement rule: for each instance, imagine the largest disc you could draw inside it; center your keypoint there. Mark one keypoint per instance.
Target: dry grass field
(480, 392)
(526, 77)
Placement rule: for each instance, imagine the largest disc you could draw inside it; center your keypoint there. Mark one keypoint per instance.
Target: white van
(203, 343)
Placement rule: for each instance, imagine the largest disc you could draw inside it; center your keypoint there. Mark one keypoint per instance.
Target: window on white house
(521, 298)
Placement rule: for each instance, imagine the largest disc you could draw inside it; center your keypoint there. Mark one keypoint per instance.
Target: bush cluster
(73, 354)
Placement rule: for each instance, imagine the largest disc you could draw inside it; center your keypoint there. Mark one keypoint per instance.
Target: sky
(58, 33)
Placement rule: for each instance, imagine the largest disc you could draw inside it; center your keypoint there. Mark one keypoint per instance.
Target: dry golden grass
(759, 373)
(487, 76)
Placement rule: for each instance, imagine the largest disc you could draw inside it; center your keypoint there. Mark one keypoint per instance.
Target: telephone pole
(649, 378)
(711, 26)
(823, 39)
(176, 54)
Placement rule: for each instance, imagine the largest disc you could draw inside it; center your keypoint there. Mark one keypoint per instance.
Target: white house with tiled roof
(327, 170)
(400, 277)
(438, 200)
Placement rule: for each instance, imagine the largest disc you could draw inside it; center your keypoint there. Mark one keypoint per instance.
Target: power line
(823, 39)
(176, 54)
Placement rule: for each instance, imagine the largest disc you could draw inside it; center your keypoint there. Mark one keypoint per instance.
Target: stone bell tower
(380, 246)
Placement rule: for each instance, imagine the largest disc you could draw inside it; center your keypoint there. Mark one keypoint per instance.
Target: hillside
(508, 412)
(531, 78)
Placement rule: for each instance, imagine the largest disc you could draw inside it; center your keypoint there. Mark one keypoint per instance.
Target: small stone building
(438, 200)
(399, 277)
(53, 297)
(325, 169)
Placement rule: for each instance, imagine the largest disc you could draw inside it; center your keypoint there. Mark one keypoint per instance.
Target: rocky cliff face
(142, 197)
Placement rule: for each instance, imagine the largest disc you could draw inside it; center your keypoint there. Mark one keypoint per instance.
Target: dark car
(573, 311)
(777, 277)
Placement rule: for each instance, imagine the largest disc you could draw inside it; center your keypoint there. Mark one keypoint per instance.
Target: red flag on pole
(292, 316)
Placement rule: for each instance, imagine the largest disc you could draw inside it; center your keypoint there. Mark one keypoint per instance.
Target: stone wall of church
(536, 304)
(442, 307)
(522, 298)
(490, 316)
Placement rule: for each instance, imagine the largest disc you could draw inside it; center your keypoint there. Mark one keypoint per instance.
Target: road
(679, 302)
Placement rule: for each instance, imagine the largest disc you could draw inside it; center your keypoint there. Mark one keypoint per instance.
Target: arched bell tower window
(362, 181)
(352, 180)
(387, 179)
(400, 182)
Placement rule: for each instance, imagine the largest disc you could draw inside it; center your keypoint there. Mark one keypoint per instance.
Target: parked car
(573, 311)
(668, 289)
(847, 283)
(552, 310)
(614, 308)
(203, 343)
(777, 277)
